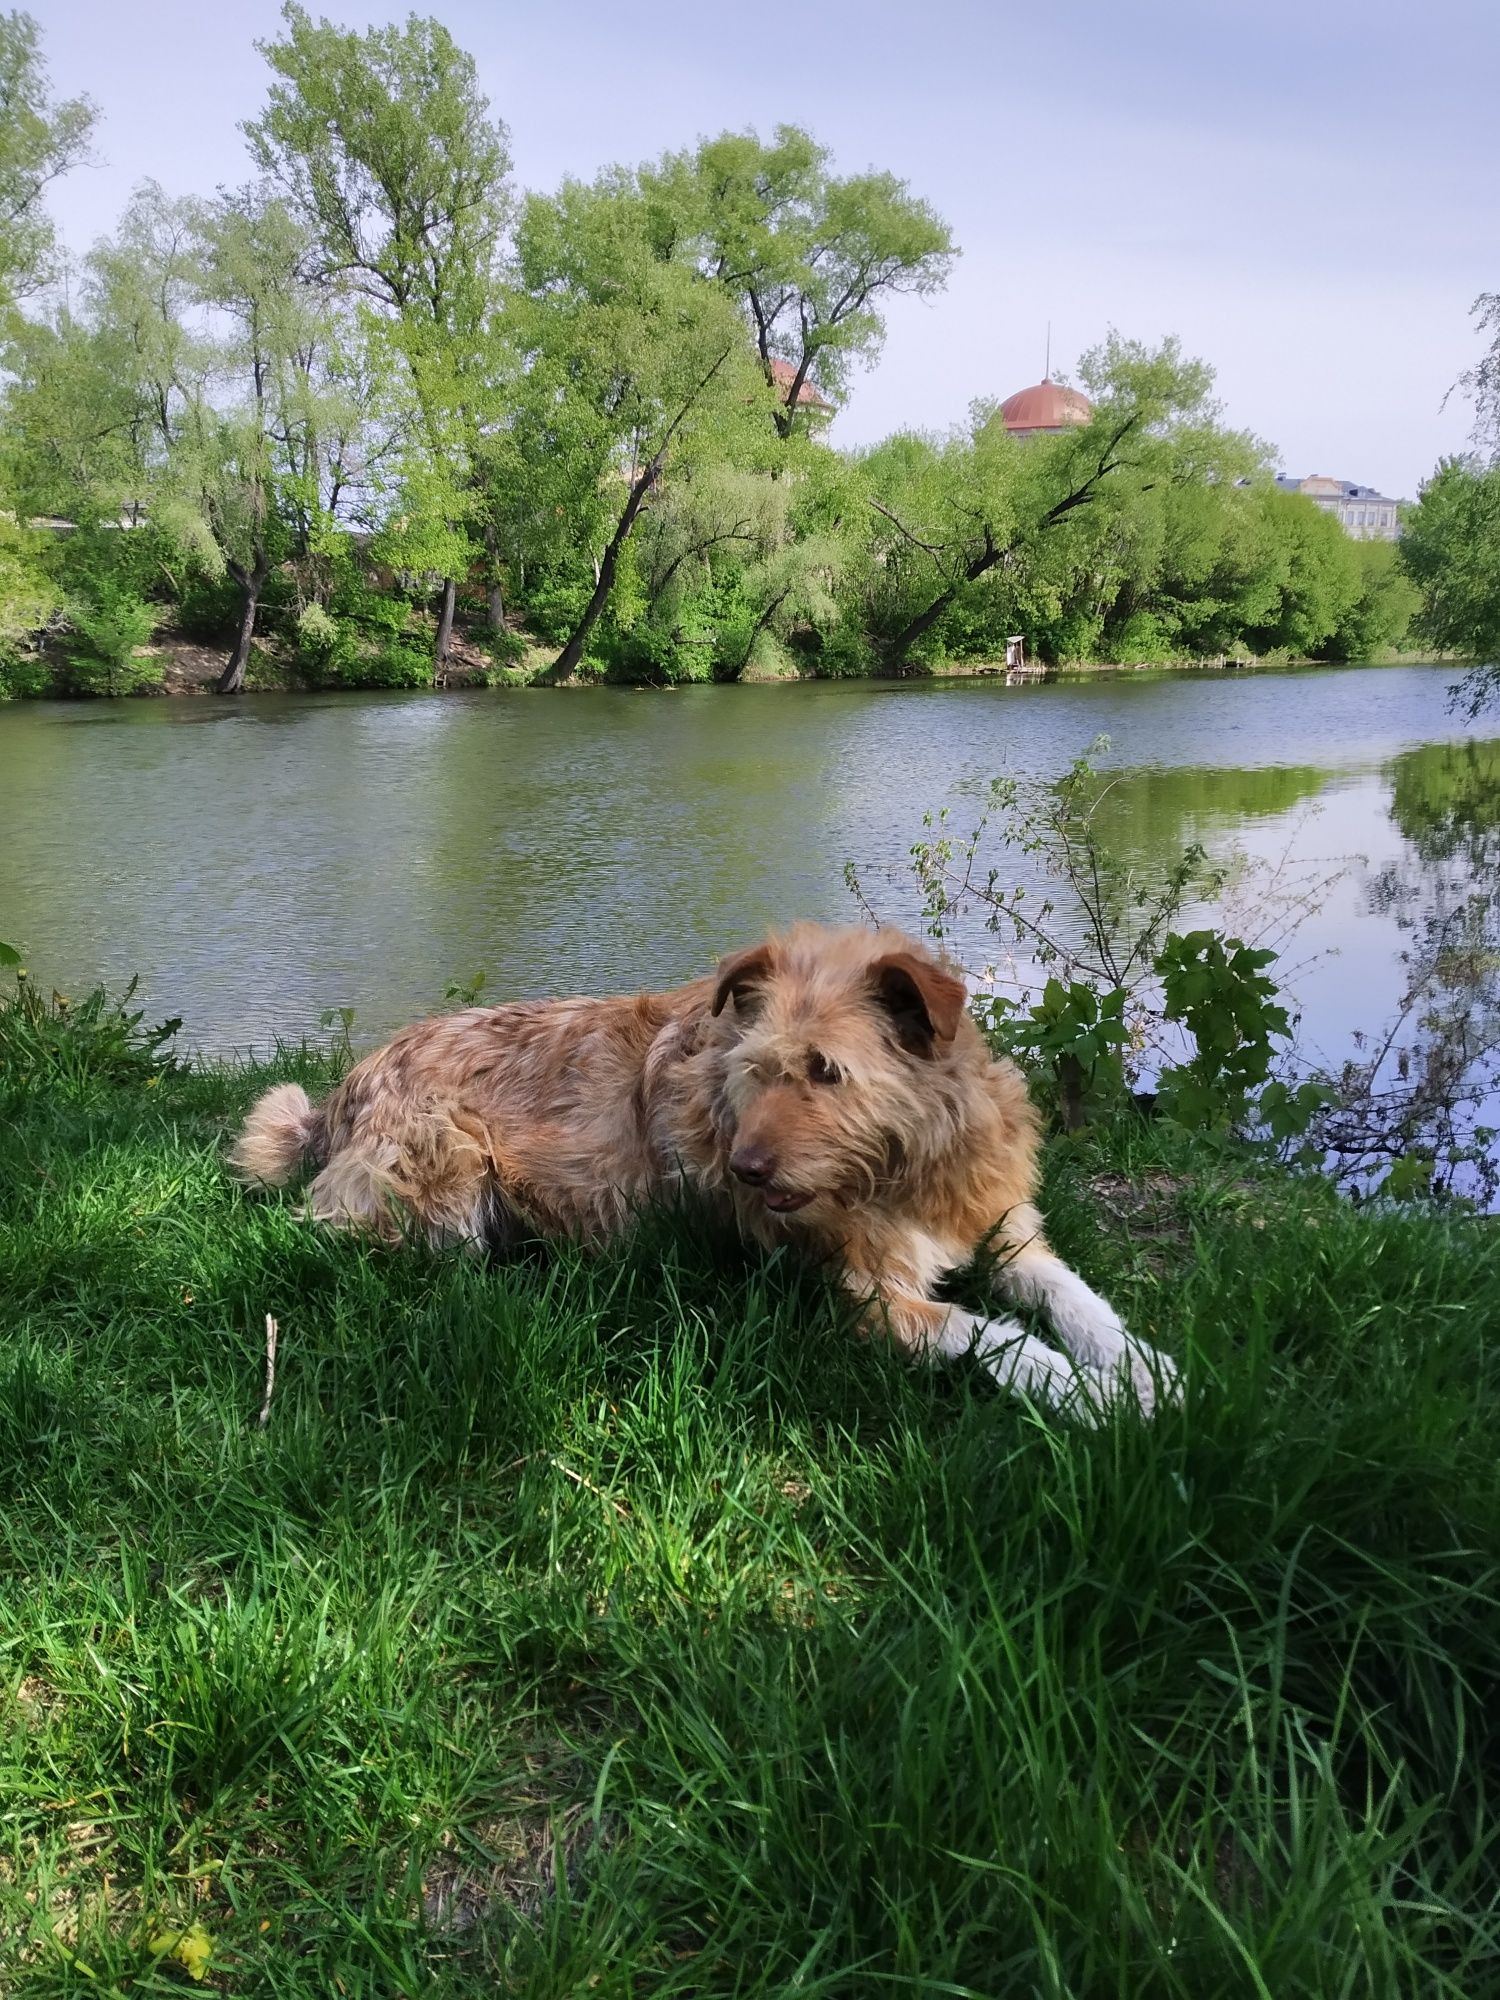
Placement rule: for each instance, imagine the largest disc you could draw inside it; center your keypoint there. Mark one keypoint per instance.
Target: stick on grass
(273, 1335)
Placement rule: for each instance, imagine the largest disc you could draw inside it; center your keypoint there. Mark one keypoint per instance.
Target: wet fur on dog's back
(827, 1085)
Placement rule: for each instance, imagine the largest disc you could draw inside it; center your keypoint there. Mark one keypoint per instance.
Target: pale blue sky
(1307, 193)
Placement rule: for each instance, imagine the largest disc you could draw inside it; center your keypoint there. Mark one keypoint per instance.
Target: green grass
(628, 1628)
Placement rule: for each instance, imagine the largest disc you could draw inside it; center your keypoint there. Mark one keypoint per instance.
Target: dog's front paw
(1148, 1376)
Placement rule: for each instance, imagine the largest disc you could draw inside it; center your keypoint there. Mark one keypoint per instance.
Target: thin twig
(579, 1480)
(568, 1473)
(273, 1334)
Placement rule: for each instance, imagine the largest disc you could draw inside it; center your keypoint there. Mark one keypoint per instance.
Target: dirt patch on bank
(186, 666)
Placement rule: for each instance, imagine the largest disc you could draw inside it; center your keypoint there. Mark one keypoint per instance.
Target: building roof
(809, 397)
(1046, 406)
(1319, 487)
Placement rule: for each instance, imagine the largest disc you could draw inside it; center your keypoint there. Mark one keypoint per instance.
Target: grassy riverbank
(174, 665)
(626, 1628)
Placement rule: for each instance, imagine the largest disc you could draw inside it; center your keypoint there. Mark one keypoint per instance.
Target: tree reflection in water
(1419, 1107)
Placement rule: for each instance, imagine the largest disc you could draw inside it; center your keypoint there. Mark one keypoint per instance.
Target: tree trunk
(565, 666)
(232, 680)
(924, 621)
(755, 631)
(445, 627)
(909, 634)
(495, 595)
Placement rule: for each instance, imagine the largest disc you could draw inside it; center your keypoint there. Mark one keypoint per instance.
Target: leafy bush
(505, 648)
(1105, 992)
(28, 600)
(333, 652)
(112, 624)
(1218, 990)
(208, 610)
(554, 604)
(1144, 637)
(325, 646)
(66, 1049)
(24, 677)
(1075, 1035)
(845, 654)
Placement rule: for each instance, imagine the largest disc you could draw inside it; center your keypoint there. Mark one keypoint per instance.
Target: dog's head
(833, 1080)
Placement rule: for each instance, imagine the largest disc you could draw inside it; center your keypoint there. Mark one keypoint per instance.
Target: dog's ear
(925, 1003)
(741, 974)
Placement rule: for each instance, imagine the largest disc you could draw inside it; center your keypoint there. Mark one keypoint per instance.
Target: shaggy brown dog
(827, 1086)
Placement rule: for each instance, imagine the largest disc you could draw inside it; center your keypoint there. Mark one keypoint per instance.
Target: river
(259, 862)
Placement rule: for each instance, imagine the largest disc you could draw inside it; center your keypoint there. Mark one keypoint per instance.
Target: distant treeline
(376, 413)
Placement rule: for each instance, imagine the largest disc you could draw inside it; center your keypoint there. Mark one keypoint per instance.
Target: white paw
(1146, 1377)
(1027, 1366)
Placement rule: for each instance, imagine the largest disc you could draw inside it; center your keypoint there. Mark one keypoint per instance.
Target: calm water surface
(260, 861)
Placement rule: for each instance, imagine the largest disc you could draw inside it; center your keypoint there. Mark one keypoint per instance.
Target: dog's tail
(285, 1130)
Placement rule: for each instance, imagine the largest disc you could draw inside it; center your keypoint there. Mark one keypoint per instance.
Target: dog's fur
(827, 1087)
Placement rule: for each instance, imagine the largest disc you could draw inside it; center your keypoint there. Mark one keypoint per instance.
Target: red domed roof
(809, 396)
(1047, 406)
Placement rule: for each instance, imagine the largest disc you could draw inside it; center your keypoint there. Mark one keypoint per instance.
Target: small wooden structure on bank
(1017, 667)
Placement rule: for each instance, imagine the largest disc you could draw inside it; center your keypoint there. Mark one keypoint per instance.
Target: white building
(1359, 510)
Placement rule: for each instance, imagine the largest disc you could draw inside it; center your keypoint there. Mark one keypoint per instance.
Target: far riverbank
(186, 667)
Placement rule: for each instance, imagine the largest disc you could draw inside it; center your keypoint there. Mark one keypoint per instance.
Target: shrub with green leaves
(69, 1049)
(28, 600)
(24, 676)
(333, 651)
(1075, 1037)
(113, 624)
(1216, 988)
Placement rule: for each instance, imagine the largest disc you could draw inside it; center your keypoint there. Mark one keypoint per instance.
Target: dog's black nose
(751, 1164)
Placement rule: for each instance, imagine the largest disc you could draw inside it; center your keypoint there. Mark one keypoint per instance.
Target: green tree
(633, 362)
(29, 598)
(981, 501)
(39, 139)
(139, 294)
(1450, 548)
(1382, 614)
(1481, 383)
(811, 258)
(384, 147)
(252, 421)
(1318, 571)
(731, 563)
(72, 418)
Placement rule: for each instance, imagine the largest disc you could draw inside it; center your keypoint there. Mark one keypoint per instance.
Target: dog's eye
(821, 1070)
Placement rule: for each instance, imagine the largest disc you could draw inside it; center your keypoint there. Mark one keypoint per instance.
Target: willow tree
(1450, 548)
(384, 146)
(1450, 542)
(253, 424)
(138, 294)
(39, 140)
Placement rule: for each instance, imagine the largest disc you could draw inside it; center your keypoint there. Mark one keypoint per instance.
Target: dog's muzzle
(756, 1167)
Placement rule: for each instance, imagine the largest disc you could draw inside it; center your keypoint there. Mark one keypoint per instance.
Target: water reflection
(1425, 1086)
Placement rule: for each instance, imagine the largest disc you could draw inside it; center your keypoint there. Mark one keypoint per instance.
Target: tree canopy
(39, 139)
(370, 417)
